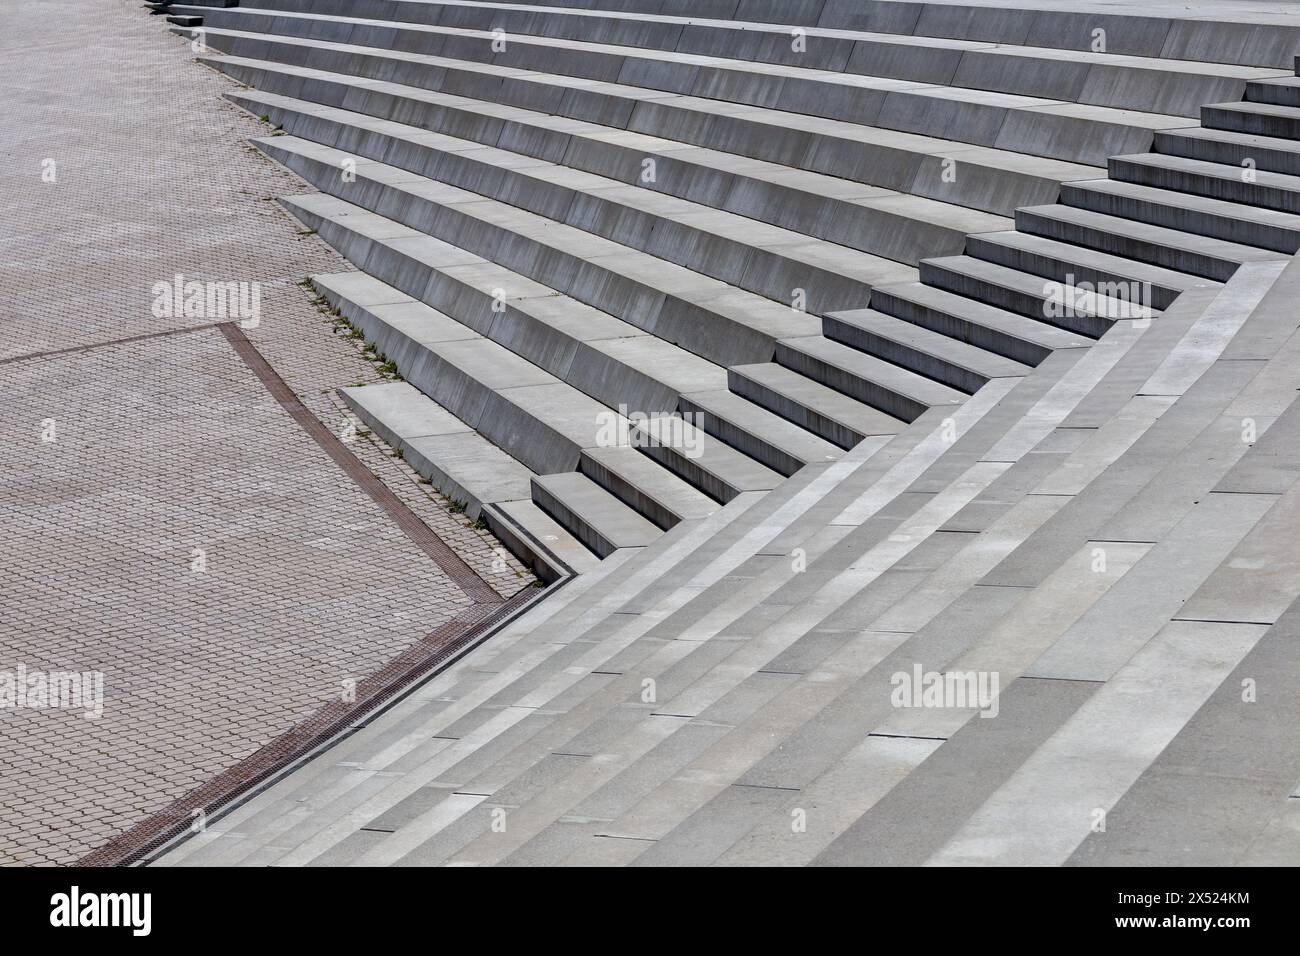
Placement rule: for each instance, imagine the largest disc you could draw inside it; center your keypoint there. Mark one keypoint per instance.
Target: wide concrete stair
(728, 693)
(834, 346)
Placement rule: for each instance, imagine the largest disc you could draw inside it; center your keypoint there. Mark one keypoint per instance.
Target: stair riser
(1284, 127)
(900, 354)
(698, 330)
(1276, 94)
(956, 327)
(1012, 300)
(1276, 238)
(744, 266)
(880, 232)
(807, 418)
(572, 522)
(628, 493)
(681, 463)
(589, 370)
(988, 189)
(1213, 187)
(1168, 257)
(1124, 88)
(846, 383)
(780, 461)
(1060, 270)
(525, 438)
(1083, 140)
(1229, 154)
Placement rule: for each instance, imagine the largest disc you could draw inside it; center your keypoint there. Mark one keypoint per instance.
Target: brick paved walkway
(162, 519)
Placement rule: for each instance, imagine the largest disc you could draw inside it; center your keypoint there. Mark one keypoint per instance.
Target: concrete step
(644, 486)
(1068, 131)
(613, 361)
(603, 357)
(893, 389)
(1243, 150)
(1063, 262)
(1233, 184)
(546, 424)
(883, 222)
(1077, 308)
(963, 319)
(461, 464)
(1247, 225)
(527, 412)
(811, 405)
(1279, 91)
(712, 466)
(189, 22)
(1188, 252)
(759, 258)
(1259, 119)
(936, 356)
(702, 315)
(766, 437)
(591, 514)
(524, 528)
(1104, 79)
(991, 180)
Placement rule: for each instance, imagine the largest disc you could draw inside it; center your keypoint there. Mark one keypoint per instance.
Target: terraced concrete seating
(991, 180)
(806, 417)
(1103, 79)
(1070, 131)
(556, 204)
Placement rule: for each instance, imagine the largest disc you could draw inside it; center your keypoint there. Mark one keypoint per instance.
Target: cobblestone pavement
(163, 521)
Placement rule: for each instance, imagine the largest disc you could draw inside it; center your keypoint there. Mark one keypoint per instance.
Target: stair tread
(548, 532)
(859, 417)
(805, 249)
(619, 524)
(1257, 109)
(574, 13)
(1253, 140)
(422, 429)
(762, 316)
(978, 360)
(1203, 167)
(652, 480)
(838, 134)
(934, 212)
(1117, 225)
(1032, 285)
(795, 441)
(631, 56)
(868, 367)
(989, 316)
(1217, 207)
(732, 467)
(1091, 258)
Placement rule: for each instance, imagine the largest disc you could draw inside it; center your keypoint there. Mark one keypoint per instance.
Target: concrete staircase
(824, 366)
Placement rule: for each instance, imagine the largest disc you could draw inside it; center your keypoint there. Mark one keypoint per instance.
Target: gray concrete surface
(877, 447)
